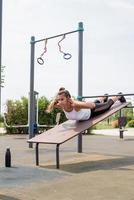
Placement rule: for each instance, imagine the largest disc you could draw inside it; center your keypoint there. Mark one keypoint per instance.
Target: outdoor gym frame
(32, 61)
(80, 81)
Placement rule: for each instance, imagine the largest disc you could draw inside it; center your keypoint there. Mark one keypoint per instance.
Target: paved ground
(104, 171)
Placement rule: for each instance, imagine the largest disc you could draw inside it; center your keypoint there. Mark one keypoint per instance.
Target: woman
(81, 110)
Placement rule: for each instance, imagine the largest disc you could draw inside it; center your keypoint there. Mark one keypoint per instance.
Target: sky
(108, 46)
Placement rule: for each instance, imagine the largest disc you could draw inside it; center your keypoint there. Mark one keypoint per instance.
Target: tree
(17, 114)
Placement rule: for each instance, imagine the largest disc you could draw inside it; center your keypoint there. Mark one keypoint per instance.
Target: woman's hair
(62, 90)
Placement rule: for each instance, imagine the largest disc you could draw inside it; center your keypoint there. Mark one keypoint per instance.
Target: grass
(103, 125)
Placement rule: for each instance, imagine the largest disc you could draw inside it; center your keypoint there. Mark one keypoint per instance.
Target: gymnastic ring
(40, 61)
(67, 56)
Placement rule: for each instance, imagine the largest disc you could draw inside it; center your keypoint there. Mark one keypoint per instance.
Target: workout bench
(69, 129)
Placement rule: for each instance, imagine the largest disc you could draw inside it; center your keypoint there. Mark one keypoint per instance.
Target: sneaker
(102, 99)
(105, 98)
(121, 98)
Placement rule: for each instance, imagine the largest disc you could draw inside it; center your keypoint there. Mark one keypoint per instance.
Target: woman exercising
(82, 110)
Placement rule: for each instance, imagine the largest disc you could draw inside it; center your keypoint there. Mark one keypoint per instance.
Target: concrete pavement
(104, 171)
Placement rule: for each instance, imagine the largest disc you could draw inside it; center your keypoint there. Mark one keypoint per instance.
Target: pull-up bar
(66, 56)
(52, 37)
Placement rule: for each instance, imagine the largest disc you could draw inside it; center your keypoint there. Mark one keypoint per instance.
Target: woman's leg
(102, 107)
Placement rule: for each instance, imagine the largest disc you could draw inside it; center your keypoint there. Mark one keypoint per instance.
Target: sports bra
(82, 114)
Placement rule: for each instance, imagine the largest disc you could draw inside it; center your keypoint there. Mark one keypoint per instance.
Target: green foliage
(43, 116)
(1, 119)
(127, 112)
(131, 123)
(17, 114)
(17, 111)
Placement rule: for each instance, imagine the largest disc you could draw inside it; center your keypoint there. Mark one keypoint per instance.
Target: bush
(115, 124)
(127, 112)
(17, 114)
(131, 123)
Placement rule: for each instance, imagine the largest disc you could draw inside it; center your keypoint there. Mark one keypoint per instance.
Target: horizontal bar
(109, 95)
(129, 107)
(45, 126)
(48, 38)
(14, 126)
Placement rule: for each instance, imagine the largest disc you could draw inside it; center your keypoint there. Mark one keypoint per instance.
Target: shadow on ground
(87, 166)
(14, 176)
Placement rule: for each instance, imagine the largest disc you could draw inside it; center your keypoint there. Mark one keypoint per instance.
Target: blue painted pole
(31, 94)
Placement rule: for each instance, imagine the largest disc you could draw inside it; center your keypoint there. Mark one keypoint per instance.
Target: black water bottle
(8, 158)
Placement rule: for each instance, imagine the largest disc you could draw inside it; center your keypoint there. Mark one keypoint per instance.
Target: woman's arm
(83, 104)
(52, 105)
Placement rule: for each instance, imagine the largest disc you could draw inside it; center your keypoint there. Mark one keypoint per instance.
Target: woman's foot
(121, 98)
(102, 99)
(105, 98)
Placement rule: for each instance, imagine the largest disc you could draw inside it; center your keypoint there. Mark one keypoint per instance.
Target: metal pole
(0, 47)
(31, 99)
(80, 59)
(120, 126)
(80, 74)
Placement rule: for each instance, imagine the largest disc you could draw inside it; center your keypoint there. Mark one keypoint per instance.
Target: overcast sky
(108, 58)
